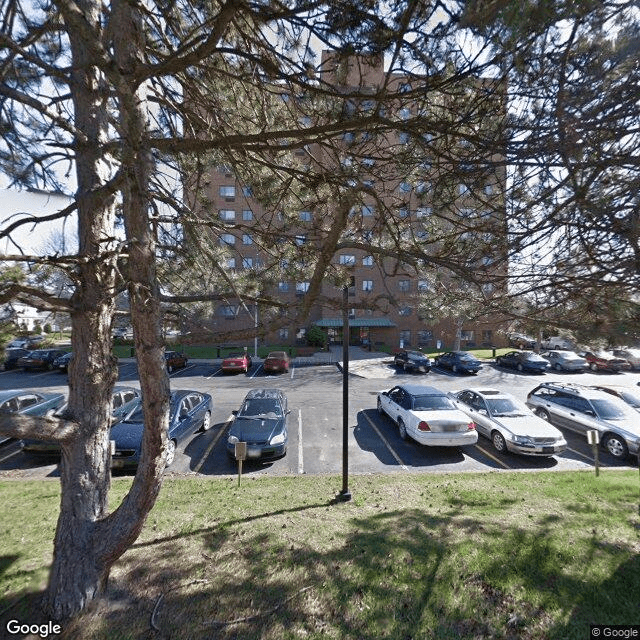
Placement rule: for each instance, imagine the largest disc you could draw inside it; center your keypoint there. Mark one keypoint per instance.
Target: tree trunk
(88, 540)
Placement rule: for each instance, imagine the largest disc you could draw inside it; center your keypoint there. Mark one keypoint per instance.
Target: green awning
(355, 322)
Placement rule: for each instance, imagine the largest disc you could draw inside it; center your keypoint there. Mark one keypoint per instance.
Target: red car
(236, 362)
(276, 361)
(603, 361)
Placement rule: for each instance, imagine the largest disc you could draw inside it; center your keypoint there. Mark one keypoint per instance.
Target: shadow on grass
(390, 574)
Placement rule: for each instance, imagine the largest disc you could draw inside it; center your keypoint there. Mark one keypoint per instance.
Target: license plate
(548, 449)
(253, 452)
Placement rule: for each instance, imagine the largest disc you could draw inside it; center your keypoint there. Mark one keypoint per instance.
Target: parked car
(12, 355)
(236, 363)
(261, 422)
(459, 361)
(581, 409)
(630, 396)
(29, 403)
(632, 356)
(123, 401)
(25, 343)
(523, 361)
(603, 361)
(556, 342)
(189, 411)
(412, 361)
(61, 363)
(40, 359)
(509, 423)
(427, 415)
(521, 341)
(276, 361)
(175, 360)
(562, 360)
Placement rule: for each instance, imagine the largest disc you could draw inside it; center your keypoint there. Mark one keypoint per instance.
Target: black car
(459, 361)
(261, 422)
(523, 361)
(189, 411)
(412, 361)
(11, 357)
(40, 359)
(61, 363)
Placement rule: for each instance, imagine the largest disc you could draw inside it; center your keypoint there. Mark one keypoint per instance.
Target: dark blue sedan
(189, 411)
(523, 361)
(261, 423)
(459, 362)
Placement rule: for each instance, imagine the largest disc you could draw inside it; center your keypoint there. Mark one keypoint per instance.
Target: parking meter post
(593, 438)
(240, 451)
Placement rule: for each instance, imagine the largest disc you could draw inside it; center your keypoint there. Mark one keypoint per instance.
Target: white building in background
(38, 236)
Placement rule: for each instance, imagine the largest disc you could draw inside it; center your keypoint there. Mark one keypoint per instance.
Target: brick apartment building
(384, 303)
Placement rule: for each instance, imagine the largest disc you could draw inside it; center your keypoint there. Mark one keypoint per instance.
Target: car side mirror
(483, 412)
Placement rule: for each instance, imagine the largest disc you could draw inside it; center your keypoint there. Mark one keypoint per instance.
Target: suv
(581, 409)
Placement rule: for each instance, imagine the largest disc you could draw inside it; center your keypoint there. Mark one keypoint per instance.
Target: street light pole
(345, 494)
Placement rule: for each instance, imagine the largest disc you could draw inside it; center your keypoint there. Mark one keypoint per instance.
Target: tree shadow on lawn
(307, 571)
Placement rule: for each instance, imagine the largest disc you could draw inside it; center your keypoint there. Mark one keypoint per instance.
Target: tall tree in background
(136, 100)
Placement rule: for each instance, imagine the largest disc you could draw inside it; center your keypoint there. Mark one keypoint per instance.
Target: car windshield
(505, 407)
(466, 357)
(533, 357)
(609, 410)
(414, 355)
(631, 398)
(260, 407)
(432, 403)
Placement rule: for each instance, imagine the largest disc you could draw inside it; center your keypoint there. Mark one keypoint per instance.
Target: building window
(404, 187)
(247, 263)
(349, 136)
(405, 113)
(488, 189)
(247, 214)
(247, 191)
(404, 285)
(368, 162)
(306, 216)
(367, 210)
(424, 212)
(283, 287)
(230, 263)
(301, 288)
(367, 261)
(425, 337)
(367, 285)
(300, 240)
(487, 335)
(403, 137)
(227, 214)
(228, 311)
(405, 338)
(227, 191)
(466, 335)
(405, 311)
(403, 212)
(247, 239)
(347, 259)
(283, 333)
(462, 189)
(227, 238)
(301, 334)
(423, 285)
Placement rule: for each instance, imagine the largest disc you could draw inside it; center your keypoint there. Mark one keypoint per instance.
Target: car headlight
(279, 439)
(232, 440)
(522, 440)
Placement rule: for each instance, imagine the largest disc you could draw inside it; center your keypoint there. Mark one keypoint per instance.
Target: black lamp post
(345, 494)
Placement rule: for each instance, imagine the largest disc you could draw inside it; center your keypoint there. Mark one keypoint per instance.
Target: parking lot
(315, 421)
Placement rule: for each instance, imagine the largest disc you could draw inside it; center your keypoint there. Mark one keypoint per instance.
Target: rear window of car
(432, 403)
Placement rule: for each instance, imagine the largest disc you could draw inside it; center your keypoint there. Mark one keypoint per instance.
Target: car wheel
(380, 409)
(402, 429)
(542, 413)
(593, 366)
(499, 361)
(171, 453)
(50, 366)
(520, 367)
(616, 446)
(498, 442)
(206, 423)
(454, 368)
(405, 368)
(557, 367)
(170, 368)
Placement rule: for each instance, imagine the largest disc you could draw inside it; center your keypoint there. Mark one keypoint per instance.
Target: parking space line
(292, 370)
(490, 455)
(215, 373)
(213, 444)
(386, 442)
(15, 453)
(300, 462)
(579, 453)
(191, 366)
(255, 373)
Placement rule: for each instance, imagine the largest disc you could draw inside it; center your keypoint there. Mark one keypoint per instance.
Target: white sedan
(427, 415)
(509, 423)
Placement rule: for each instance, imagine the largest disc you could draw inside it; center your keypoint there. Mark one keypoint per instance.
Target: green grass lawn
(464, 556)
